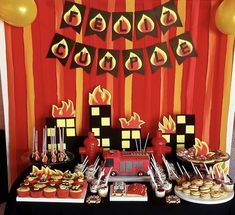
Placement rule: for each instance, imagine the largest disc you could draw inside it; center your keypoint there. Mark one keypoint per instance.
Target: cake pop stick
(217, 170)
(146, 140)
(198, 172)
(107, 177)
(194, 169)
(180, 168)
(100, 176)
(83, 171)
(140, 144)
(95, 170)
(212, 173)
(186, 172)
(85, 160)
(136, 145)
(151, 176)
(208, 173)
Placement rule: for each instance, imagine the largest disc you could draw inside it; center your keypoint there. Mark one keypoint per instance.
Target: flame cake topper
(73, 15)
(82, 57)
(168, 125)
(66, 111)
(183, 47)
(145, 23)
(108, 61)
(168, 16)
(133, 122)
(60, 48)
(97, 23)
(133, 62)
(158, 56)
(122, 25)
(202, 148)
(99, 97)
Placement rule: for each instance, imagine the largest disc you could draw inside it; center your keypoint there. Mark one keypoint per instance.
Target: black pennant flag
(167, 16)
(145, 22)
(108, 61)
(133, 61)
(83, 57)
(72, 16)
(122, 25)
(97, 23)
(158, 56)
(183, 47)
(60, 48)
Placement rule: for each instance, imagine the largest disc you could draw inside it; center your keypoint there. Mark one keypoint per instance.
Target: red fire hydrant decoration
(159, 147)
(91, 148)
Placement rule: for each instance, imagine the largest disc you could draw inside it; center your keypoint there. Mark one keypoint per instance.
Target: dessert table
(153, 206)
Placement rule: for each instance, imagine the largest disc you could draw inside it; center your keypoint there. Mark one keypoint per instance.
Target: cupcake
(36, 192)
(68, 175)
(23, 191)
(103, 191)
(167, 186)
(39, 185)
(160, 192)
(62, 191)
(49, 192)
(75, 191)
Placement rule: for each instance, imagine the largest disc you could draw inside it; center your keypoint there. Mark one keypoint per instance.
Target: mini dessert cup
(75, 192)
(103, 191)
(36, 192)
(62, 191)
(49, 192)
(228, 186)
(160, 192)
(23, 191)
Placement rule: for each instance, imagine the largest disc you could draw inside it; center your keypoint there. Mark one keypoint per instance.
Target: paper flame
(168, 125)
(134, 122)
(220, 170)
(99, 97)
(202, 148)
(67, 110)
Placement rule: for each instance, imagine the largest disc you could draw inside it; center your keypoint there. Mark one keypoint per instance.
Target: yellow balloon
(18, 13)
(225, 17)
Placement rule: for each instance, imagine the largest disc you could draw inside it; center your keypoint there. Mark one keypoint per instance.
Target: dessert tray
(197, 199)
(119, 191)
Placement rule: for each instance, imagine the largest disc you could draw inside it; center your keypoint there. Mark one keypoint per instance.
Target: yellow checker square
(70, 122)
(126, 144)
(50, 132)
(180, 139)
(189, 129)
(106, 142)
(96, 131)
(106, 149)
(167, 137)
(126, 134)
(179, 147)
(105, 121)
(58, 146)
(60, 123)
(70, 132)
(181, 119)
(95, 111)
(135, 134)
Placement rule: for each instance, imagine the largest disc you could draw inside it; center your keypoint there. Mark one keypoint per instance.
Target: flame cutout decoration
(133, 65)
(73, 16)
(122, 26)
(202, 149)
(83, 57)
(46, 170)
(219, 170)
(60, 49)
(109, 66)
(102, 23)
(145, 24)
(168, 125)
(159, 57)
(99, 97)
(67, 110)
(184, 48)
(134, 122)
(168, 16)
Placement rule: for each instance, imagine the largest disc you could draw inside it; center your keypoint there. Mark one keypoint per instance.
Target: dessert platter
(47, 185)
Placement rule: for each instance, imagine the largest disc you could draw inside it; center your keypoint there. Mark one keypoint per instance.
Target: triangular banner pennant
(60, 48)
(97, 23)
(167, 16)
(158, 56)
(145, 23)
(183, 47)
(83, 57)
(108, 61)
(122, 25)
(73, 15)
(133, 61)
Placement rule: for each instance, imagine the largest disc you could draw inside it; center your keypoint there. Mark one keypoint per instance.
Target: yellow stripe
(226, 93)
(28, 52)
(79, 88)
(179, 68)
(130, 7)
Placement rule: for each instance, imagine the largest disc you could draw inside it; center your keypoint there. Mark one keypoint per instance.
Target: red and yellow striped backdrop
(199, 86)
